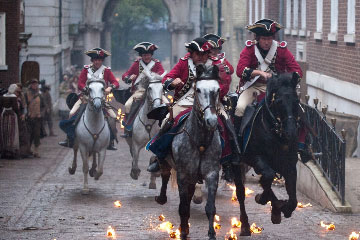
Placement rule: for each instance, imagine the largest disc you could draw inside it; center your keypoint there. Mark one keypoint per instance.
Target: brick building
(324, 37)
(9, 42)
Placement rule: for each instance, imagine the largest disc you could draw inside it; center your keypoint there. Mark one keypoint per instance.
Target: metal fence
(329, 148)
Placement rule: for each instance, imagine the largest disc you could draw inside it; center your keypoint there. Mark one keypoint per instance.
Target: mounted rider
(261, 58)
(133, 75)
(95, 70)
(181, 79)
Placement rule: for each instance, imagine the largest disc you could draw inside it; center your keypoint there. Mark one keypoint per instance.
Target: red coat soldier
(135, 73)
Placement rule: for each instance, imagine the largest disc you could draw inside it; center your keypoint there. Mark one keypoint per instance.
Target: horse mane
(290, 79)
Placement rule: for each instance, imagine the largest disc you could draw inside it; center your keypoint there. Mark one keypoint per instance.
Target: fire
(300, 205)
(354, 236)
(255, 229)
(166, 226)
(330, 226)
(120, 117)
(175, 234)
(162, 217)
(109, 97)
(234, 197)
(232, 236)
(269, 203)
(111, 233)
(235, 223)
(217, 218)
(217, 225)
(117, 204)
(171, 99)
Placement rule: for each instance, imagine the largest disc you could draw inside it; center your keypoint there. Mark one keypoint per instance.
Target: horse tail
(173, 179)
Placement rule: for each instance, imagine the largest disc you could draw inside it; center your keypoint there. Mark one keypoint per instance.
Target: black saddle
(122, 95)
(71, 99)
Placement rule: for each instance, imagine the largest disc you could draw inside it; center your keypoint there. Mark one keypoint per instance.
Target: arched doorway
(29, 70)
(125, 25)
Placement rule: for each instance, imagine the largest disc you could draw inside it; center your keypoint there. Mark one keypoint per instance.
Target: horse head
(155, 91)
(95, 91)
(282, 103)
(206, 96)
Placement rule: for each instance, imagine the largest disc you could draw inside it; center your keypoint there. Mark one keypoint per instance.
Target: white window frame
(319, 20)
(288, 17)
(250, 12)
(3, 65)
(350, 36)
(332, 36)
(262, 9)
(302, 30)
(295, 26)
(257, 10)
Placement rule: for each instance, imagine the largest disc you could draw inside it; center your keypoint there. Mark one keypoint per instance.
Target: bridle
(199, 111)
(92, 99)
(159, 98)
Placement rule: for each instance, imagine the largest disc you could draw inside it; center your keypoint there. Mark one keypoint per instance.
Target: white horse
(92, 133)
(143, 128)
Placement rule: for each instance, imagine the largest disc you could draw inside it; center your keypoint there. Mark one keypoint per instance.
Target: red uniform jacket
(227, 63)
(181, 70)
(284, 61)
(108, 77)
(134, 69)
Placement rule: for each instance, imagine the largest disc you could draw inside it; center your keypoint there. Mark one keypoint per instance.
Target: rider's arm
(175, 73)
(228, 64)
(133, 70)
(158, 68)
(290, 62)
(246, 64)
(82, 79)
(113, 83)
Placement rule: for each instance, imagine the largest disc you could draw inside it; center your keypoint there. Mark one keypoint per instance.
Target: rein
(94, 136)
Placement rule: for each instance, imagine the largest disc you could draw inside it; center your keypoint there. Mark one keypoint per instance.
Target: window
(2, 42)
(256, 10)
(288, 17)
(262, 9)
(319, 19)
(303, 14)
(350, 36)
(332, 36)
(250, 12)
(296, 15)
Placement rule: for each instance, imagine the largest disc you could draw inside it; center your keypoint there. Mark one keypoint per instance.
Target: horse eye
(102, 89)
(198, 90)
(150, 88)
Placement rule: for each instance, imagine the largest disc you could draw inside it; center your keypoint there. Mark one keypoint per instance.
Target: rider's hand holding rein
(263, 75)
(108, 90)
(177, 82)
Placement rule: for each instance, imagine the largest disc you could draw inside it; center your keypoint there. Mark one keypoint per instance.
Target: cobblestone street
(40, 200)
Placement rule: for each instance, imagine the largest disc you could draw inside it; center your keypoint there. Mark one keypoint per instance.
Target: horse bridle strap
(148, 127)
(94, 136)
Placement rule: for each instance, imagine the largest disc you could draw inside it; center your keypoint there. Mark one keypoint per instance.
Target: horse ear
(295, 79)
(200, 69)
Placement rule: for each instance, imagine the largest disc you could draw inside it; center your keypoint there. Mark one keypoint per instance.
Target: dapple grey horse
(197, 150)
(92, 133)
(143, 127)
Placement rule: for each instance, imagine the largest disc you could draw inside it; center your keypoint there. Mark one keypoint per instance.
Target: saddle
(247, 123)
(134, 110)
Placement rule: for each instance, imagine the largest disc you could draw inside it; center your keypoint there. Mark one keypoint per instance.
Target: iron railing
(329, 148)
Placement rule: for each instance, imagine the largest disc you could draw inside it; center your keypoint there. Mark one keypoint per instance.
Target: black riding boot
(237, 124)
(155, 166)
(69, 142)
(305, 153)
(227, 171)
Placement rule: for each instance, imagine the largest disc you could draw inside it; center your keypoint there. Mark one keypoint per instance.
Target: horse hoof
(260, 199)
(245, 230)
(135, 173)
(275, 215)
(72, 170)
(92, 172)
(212, 235)
(197, 200)
(161, 200)
(85, 191)
(212, 238)
(97, 175)
(152, 185)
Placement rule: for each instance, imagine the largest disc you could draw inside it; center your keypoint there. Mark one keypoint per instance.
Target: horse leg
(198, 196)
(92, 171)
(152, 184)
(290, 184)
(240, 194)
(165, 176)
(101, 156)
(84, 156)
(135, 171)
(212, 181)
(72, 169)
(184, 209)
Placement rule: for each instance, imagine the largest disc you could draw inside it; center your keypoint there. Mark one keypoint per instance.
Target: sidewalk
(352, 183)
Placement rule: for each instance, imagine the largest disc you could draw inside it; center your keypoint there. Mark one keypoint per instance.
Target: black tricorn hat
(199, 45)
(145, 47)
(264, 27)
(71, 99)
(97, 53)
(214, 39)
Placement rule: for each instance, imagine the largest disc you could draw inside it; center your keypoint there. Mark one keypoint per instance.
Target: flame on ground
(109, 97)
(248, 192)
(175, 234)
(117, 204)
(168, 226)
(171, 99)
(120, 117)
(111, 233)
(300, 205)
(217, 226)
(255, 229)
(162, 217)
(354, 236)
(217, 218)
(235, 223)
(234, 197)
(232, 236)
(330, 226)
